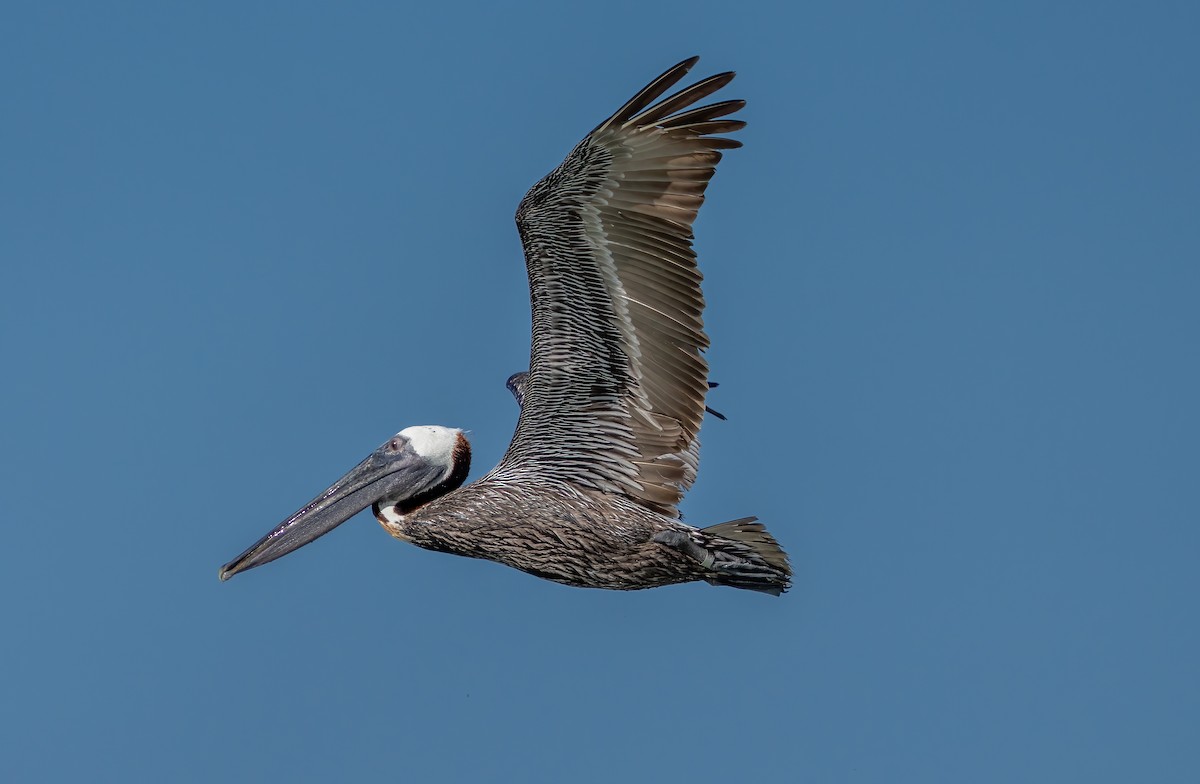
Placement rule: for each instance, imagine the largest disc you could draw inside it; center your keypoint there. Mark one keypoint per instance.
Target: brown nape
(461, 457)
(462, 463)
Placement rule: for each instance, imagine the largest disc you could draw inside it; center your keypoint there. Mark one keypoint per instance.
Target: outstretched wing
(615, 392)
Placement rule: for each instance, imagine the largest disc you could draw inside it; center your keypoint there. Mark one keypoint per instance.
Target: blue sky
(953, 281)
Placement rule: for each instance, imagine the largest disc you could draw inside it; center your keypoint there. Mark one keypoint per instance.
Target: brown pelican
(606, 441)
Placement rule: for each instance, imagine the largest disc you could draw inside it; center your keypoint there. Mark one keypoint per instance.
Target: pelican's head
(413, 467)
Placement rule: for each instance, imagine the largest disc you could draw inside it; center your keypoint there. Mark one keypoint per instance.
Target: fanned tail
(745, 555)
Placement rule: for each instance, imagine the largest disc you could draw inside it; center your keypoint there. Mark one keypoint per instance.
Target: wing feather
(682, 99)
(617, 379)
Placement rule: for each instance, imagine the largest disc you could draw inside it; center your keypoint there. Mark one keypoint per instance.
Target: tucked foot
(680, 541)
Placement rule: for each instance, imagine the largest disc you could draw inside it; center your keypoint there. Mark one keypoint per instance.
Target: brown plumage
(606, 443)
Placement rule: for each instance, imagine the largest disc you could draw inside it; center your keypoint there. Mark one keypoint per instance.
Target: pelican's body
(606, 444)
(577, 537)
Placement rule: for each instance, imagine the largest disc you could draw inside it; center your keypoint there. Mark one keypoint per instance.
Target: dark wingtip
(516, 385)
(648, 94)
(717, 414)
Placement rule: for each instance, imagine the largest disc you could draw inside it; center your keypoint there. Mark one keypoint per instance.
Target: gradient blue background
(953, 280)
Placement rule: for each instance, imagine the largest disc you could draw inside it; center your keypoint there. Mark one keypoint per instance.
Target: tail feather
(745, 555)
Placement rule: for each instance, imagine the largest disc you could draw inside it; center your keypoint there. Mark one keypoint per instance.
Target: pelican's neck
(392, 520)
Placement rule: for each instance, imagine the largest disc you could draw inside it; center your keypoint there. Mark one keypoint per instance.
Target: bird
(606, 442)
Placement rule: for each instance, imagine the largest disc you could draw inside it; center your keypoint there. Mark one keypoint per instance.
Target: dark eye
(395, 444)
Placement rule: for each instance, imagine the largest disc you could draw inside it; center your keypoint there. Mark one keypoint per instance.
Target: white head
(434, 443)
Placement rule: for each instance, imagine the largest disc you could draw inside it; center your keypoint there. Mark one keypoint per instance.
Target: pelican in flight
(606, 441)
